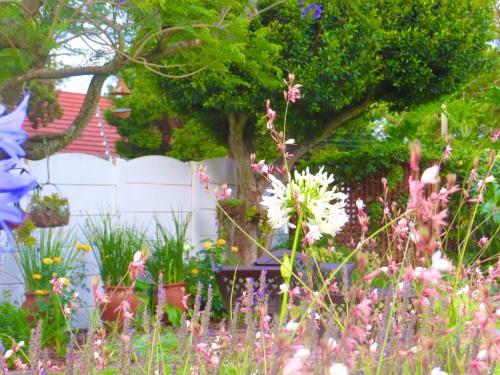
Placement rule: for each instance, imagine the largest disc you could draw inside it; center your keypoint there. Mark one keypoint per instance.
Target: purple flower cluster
(12, 187)
(316, 10)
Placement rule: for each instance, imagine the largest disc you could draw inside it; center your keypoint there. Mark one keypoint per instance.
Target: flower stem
(292, 260)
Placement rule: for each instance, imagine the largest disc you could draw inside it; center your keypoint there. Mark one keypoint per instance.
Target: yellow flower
(234, 249)
(64, 281)
(83, 247)
(47, 261)
(195, 271)
(207, 245)
(220, 242)
(36, 276)
(41, 292)
(57, 259)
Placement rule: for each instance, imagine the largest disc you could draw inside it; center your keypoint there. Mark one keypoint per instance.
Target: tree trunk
(247, 189)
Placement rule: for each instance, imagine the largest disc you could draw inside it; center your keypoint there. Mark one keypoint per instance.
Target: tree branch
(48, 73)
(40, 146)
(348, 114)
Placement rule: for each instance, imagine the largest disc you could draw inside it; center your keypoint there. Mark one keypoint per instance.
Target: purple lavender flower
(12, 187)
(316, 8)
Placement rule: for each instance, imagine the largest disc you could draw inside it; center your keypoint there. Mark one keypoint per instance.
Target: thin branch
(175, 76)
(345, 116)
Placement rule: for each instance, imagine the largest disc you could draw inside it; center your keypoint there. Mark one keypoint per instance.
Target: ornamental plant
(53, 202)
(169, 252)
(12, 187)
(52, 255)
(432, 316)
(114, 245)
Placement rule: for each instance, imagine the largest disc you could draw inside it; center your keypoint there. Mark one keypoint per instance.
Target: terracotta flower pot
(122, 113)
(112, 311)
(32, 304)
(174, 293)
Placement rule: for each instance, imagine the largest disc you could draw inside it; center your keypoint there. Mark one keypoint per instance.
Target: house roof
(90, 141)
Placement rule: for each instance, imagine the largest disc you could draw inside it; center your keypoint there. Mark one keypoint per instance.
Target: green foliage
(169, 252)
(53, 202)
(114, 245)
(24, 233)
(355, 49)
(199, 270)
(192, 142)
(53, 253)
(13, 325)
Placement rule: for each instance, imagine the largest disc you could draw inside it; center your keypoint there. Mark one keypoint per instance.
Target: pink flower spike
(293, 93)
(204, 177)
(271, 115)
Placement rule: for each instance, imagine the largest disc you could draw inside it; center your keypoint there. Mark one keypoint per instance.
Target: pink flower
(440, 264)
(125, 339)
(447, 152)
(66, 310)
(57, 285)
(204, 177)
(224, 193)
(271, 115)
(185, 300)
(136, 267)
(482, 241)
(293, 93)
(20, 365)
(477, 366)
(293, 366)
(363, 310)
(430, 175)
(124, 308)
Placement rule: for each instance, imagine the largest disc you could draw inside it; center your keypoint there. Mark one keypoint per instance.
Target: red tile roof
(90, 141)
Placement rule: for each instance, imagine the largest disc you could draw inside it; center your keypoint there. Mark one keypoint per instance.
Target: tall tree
(104, 38)
(348, 55)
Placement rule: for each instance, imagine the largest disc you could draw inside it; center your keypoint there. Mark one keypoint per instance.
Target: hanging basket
(121, 113)
(49, 219)
(49, 211)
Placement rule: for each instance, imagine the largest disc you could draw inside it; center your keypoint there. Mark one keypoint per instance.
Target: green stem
(288, 278)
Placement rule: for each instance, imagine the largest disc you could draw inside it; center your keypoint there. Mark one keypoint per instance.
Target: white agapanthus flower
(323, 207)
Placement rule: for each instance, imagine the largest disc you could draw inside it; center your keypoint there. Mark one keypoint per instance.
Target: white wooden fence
(136, 190)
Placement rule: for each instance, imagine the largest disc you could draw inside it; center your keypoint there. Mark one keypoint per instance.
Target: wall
(136, 190)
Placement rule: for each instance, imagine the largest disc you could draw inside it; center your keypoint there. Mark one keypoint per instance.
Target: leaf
(174, 315)
(286, 268)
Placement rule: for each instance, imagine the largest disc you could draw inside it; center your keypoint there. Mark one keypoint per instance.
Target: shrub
(13, 325)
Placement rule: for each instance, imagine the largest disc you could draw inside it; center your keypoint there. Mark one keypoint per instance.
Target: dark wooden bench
(231, 280)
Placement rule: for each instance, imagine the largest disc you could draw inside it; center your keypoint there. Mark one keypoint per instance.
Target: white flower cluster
(322, 207)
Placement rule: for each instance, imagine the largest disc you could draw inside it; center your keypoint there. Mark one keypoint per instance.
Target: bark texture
(247, 189)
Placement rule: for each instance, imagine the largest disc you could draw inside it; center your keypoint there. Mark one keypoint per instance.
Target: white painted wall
(136, 190)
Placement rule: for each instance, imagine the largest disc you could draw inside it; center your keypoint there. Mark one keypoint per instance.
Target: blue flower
(316, 8)
(12, 134)
(12, 187)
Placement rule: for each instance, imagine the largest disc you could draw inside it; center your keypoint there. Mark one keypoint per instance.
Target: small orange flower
(36, 276)
(41, 292)
(195, 271)
(47, 261)
(57, 259)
